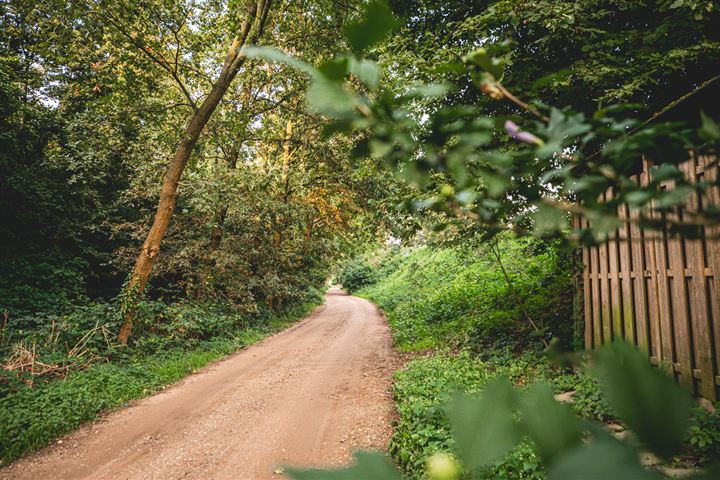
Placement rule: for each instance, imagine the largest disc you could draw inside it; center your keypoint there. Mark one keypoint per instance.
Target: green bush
(704, 435)
(41, 283)
(588, 401)
(356, 274)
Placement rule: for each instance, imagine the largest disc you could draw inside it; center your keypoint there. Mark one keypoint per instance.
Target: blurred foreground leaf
(368, 465)
(483, 427)
(646, 399)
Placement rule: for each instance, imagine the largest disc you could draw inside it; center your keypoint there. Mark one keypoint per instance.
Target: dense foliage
(584, 54)
(459, 296)
(459, 153)
(89, 113)
(93, 100)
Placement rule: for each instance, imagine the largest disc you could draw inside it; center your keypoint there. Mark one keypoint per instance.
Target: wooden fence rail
(660, 292)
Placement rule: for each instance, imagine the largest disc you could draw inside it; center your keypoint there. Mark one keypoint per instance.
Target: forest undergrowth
(464, 324)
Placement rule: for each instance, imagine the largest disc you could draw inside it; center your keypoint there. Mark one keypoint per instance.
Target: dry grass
(25, 356)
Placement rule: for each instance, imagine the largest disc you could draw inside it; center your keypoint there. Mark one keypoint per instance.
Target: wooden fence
(660, 292)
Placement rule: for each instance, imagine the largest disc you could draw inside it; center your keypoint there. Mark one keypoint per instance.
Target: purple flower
(514, 131)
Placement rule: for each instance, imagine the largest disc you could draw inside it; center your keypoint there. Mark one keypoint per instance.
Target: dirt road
(309, 395)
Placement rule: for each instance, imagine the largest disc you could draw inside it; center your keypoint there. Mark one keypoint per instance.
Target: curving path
(309, 395)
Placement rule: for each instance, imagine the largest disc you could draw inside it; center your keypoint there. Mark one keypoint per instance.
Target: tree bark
(252, 26)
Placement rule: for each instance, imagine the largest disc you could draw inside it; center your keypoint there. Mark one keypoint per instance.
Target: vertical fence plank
(606, 313)
(596, 302)
(665, 301)
(587, 295)
(680, 328)
(653, 282)
(614, 281)
(698, 305)
(625, 261)
(638, 283)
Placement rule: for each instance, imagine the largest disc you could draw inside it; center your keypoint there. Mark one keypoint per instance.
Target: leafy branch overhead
(526, 171)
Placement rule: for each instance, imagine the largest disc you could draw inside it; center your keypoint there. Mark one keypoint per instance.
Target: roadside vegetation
(461, 297)
(95, 101)
(464, 325)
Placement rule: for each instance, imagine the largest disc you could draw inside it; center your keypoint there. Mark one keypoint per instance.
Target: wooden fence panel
(712, 249)
(660, 292)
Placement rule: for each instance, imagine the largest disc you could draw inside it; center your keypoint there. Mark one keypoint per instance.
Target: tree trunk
(251, 29)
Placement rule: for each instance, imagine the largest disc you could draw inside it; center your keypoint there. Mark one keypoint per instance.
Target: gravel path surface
(309, 395)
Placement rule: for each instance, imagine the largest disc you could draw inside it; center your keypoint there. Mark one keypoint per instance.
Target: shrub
(704, 435)
(356, 274)
(422, 389)
(41, 283)
(588, 401)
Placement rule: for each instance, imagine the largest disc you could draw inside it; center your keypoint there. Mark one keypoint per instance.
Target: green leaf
(482, 59)
(664, 172)
(649, 402)
(368, 465)
(366, 71)
(638, 198)
(604, 459)
(548, 219)
(483, 427)
(335, 69)
(330, 98)
(550, 424)
(278, 56)
(563, 129)
(677, 4)
(602, 224)
(674, 196)
(376, 22)
(709, 130)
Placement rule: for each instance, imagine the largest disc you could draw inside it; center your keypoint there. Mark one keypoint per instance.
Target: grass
(30, 418)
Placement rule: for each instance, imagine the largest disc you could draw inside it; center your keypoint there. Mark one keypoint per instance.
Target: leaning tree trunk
(252, 26)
